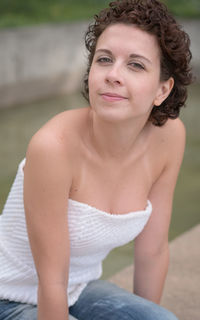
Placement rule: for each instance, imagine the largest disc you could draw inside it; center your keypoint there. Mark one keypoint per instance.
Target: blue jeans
(100, 300)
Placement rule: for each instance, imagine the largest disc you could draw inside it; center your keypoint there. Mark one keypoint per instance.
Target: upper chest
(114, 186)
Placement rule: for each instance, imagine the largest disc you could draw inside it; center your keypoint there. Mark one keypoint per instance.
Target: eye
(136, 65)
(104, 60)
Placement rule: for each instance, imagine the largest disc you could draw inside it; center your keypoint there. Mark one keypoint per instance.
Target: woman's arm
(47, 179)
(151, 246)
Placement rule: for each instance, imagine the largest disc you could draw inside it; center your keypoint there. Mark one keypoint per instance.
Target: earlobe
(164, 91)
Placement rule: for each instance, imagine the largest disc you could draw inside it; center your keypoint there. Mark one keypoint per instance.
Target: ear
(164, 91)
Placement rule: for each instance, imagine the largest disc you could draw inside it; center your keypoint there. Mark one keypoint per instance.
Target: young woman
(98, 177)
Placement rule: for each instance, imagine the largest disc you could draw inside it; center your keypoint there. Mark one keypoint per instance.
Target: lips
(109, 96)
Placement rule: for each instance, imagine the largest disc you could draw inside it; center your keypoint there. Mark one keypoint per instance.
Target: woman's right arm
(47, 180)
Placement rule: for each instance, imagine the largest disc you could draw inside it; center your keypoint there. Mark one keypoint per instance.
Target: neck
(116, 140)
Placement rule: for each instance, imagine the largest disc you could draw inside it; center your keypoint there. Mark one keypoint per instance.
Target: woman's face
(124, 79)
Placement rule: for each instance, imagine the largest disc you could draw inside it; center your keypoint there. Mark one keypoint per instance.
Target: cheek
(91, 79)
(148, 87)
(94, 81)
(92, 84)
(144, 93)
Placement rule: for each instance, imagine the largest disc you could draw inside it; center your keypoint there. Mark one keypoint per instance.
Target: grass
(15, 13)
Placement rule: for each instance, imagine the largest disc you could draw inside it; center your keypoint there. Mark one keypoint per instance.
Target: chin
(112, 114)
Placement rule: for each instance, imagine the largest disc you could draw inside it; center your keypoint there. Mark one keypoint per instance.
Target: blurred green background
(29, 12)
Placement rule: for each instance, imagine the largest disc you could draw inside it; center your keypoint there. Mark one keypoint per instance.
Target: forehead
(128, 39)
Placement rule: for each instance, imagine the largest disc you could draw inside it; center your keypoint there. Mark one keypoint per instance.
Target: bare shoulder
(172, 129)
(60, 134)
(55, 146)
(174, 133)
(171, 138)
(175, 127)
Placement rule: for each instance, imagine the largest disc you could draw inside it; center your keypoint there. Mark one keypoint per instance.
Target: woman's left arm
(151, 246)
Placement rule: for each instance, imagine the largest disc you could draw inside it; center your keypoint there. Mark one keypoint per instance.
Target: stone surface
(182, 289)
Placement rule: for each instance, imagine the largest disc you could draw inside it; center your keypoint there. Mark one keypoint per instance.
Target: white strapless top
(93, 234)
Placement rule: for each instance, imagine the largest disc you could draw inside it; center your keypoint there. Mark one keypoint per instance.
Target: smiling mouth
(112, 96)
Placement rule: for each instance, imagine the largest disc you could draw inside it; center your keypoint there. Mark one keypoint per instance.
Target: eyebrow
(132, 55)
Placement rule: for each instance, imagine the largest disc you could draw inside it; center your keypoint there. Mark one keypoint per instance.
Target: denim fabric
(10, 310)
(100, 300)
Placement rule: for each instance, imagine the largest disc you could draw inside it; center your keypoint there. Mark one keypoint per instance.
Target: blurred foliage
(184, 8)
(28, 12)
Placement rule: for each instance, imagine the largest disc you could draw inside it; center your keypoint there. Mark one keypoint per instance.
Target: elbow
(153, 253)
(159, 250)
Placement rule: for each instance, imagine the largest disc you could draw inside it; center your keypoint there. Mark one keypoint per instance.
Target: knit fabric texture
(93, 234)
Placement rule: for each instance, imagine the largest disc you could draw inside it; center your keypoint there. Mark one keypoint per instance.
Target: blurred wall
(48, 60)
(192, 27)
(42, 61)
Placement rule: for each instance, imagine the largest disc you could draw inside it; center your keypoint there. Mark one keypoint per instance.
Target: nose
(114, 75)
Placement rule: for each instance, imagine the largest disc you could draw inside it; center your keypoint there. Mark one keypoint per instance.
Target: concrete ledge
(182, 289)
(39, 89)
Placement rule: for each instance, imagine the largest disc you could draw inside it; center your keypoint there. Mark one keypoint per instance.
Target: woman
(121, 155)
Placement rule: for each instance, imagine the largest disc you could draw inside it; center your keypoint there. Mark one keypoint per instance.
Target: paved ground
(182, 289)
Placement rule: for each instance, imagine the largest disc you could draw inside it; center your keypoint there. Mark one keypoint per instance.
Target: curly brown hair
(153, 17)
